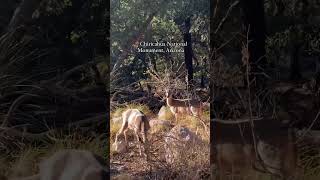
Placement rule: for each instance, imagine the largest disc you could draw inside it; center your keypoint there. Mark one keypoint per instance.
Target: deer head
(168, 93)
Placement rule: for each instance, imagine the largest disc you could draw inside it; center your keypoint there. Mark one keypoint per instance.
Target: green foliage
(74, 37)
(280, 44)
(165, 30)
(128, 19)
(67, 2)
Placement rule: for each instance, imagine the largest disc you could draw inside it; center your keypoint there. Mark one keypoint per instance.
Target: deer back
(143, 123)
(136, 120)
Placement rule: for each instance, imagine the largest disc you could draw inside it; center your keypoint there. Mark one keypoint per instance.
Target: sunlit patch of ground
(187, 166)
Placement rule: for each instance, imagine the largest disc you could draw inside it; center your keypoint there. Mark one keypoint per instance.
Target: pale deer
(238, 156)
(180, 107)
(71, 165)
(137, 121)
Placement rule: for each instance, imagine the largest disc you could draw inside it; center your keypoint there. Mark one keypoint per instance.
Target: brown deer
(238, 156)
(135, 120)
(71, 165)
(180, 107)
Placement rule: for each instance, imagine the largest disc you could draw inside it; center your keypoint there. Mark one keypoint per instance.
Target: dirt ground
(131, 164)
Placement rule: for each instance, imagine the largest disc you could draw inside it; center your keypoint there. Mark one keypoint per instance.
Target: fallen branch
(237, 121)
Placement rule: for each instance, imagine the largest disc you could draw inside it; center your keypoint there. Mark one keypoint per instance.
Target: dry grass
(159, 129)
(194, 161)
(309, 156)
(114, 128)
(144, 108)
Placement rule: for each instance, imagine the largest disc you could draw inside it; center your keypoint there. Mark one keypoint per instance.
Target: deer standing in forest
(180, 107)
(137, 121)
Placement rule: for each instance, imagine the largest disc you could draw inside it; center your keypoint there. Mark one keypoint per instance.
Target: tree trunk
(188, 53)
(253, 11)
(202, 84)
(297, 43)
(295, 63)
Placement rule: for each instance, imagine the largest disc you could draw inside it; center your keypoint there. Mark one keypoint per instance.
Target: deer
(191, 107)
(134, 119)
(178, 107)
(71, 165)
(238, 154)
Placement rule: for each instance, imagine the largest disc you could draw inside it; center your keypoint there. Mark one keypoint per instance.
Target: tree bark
(295, 63)
(188, 53)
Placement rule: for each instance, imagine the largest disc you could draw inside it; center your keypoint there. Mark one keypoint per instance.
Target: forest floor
(130, 165)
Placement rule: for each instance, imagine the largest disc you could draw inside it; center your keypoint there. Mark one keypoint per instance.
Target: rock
(119, 147)
(177, 140)
(164, 113)
(155, 122)
(271, 156)
(158, 126)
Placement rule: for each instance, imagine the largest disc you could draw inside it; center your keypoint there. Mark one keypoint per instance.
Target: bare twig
(226, 16)
(309, 128)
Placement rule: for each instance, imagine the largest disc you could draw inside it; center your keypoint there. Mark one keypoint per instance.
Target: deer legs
(139, 143)
(125, 136)
(123, 131)
(176, 118)
(134, 119)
